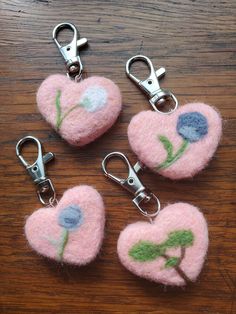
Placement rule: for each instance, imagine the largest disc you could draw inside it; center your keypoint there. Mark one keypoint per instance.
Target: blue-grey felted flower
(192, 126)
(71, 217)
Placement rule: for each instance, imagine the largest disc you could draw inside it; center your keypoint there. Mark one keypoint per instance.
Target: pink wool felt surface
(89, 108)
(45, 233)
(145, 128)
(178, 216)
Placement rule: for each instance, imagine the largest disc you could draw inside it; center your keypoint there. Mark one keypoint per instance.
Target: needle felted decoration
(177, 145)
(79, 112)
(170, 251)
(71, 232)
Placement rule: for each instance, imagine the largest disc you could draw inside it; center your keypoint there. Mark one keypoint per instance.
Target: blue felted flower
(192, 126)
(71, 217)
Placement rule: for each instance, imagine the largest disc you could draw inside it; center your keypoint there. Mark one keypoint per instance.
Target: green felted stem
(58, 109)
(169, 149)
(66, 114)
(85, 103)
(60, 118)
(64, 240)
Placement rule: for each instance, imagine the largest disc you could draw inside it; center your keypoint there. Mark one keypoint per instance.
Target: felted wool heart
(177, 145)
(170, 251)
(72, 232)
(79, 112)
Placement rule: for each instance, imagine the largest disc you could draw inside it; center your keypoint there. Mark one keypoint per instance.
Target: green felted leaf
(167, 145)
(171, 262)
(144, 251)
(183, 238)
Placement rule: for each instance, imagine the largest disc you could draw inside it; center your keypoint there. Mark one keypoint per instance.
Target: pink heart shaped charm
(170, 251)
(71, 232)
(176, 145)
(79, 112)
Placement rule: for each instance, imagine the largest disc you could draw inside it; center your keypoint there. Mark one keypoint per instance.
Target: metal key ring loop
(163, 96)
(158, 207)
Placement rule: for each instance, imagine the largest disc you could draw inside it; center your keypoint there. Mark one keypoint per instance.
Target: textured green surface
(183, 238)
(171, 158)
(144, 251)
(172, 262)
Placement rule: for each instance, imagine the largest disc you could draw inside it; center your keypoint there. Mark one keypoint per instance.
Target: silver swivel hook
(151, 85)
(70, 52)
(45, 190)
(133, 184)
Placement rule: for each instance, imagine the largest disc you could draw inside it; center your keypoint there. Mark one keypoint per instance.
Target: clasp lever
(151, 85)
(45, 189)
(70, 52)
(132, 183)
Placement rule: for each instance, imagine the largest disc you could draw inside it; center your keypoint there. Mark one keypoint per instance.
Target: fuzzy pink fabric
(145, 128)
(44, 232)
(97, 101)
(178, 216)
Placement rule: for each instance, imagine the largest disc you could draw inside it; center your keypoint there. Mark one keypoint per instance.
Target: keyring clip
(132, 184)
(151, 84)
(45, 190)
(70, 52)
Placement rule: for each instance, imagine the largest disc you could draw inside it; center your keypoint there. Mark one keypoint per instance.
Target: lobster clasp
(132, 183)
(151, 84)
(45, 189)
(70, 52)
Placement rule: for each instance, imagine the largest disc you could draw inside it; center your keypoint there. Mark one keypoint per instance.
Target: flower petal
(94, 98)
(71, 217)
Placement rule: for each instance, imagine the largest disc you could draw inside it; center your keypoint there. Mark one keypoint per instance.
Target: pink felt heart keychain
(172, 248)
(80, 111)
(70, 230)
(177, 144)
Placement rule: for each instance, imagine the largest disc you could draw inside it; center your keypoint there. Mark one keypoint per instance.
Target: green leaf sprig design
(192, 127)
(60, 117)
(146, 251)
(93, 99)
(171, 157)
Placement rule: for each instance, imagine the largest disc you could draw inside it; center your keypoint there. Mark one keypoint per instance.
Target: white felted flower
(94, 98)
